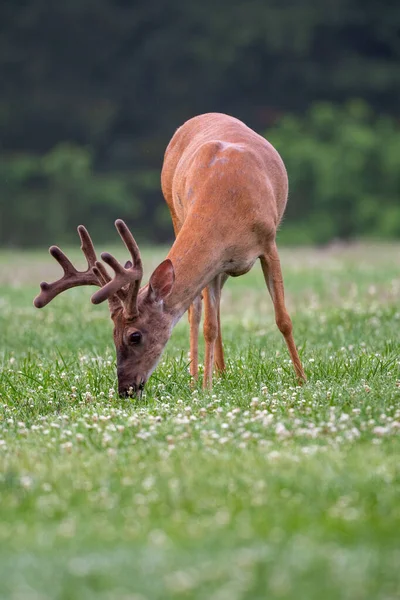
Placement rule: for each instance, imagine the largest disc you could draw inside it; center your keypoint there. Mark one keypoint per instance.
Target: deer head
(142, 326)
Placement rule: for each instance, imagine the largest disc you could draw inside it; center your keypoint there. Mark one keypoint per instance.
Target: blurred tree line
(92, 91)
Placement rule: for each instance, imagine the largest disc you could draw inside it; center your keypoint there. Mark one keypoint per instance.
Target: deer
(226, 188)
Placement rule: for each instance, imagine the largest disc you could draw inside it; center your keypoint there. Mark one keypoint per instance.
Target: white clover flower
(67, 446)
(26, 481)
(381, 431)
(281, 430)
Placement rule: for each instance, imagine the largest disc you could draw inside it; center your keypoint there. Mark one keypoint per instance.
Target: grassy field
(257, 490)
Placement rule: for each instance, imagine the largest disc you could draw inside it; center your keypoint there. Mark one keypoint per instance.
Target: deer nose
(134, 390)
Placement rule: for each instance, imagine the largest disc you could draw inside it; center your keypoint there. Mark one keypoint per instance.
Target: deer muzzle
(132, 390)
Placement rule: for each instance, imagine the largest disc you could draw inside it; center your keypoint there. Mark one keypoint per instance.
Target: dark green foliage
(119, 76)
(44, 198)
(343, 165)
(344, 171)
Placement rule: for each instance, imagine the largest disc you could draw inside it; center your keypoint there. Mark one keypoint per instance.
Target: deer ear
(162, 281)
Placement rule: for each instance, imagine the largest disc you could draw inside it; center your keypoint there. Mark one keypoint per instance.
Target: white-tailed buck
(226, 188)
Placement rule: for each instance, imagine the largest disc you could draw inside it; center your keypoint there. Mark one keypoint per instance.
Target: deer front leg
(194, 323)
(271, 267)
(219, 360)
(212, 295)
(219, 349)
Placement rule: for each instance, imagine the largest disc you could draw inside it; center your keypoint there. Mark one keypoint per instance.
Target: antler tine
(87, 246)
(72, 277)
(131, 309)
(127, 279)
(115, 301)
(123, 277)
(101, 272)
(130, 243)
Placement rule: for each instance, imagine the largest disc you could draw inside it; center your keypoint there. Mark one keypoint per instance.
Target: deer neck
(196, 260)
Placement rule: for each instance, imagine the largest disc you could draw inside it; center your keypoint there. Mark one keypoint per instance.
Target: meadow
(259, 489)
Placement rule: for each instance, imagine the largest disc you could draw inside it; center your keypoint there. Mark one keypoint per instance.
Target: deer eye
(135, 338)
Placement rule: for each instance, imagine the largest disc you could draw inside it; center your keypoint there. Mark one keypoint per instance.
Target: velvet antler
(72, 277)
(127, 278)
(121, 291)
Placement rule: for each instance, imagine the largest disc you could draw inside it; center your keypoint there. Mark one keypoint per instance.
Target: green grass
(259, 489)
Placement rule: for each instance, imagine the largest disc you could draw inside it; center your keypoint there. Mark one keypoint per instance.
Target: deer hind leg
(194, 323)
(219, 360)
(212, 294)
(271, 267)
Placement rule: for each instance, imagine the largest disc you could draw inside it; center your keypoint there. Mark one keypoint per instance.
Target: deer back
(215, 165)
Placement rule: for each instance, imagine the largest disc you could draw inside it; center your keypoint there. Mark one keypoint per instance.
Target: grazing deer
(226, 188)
